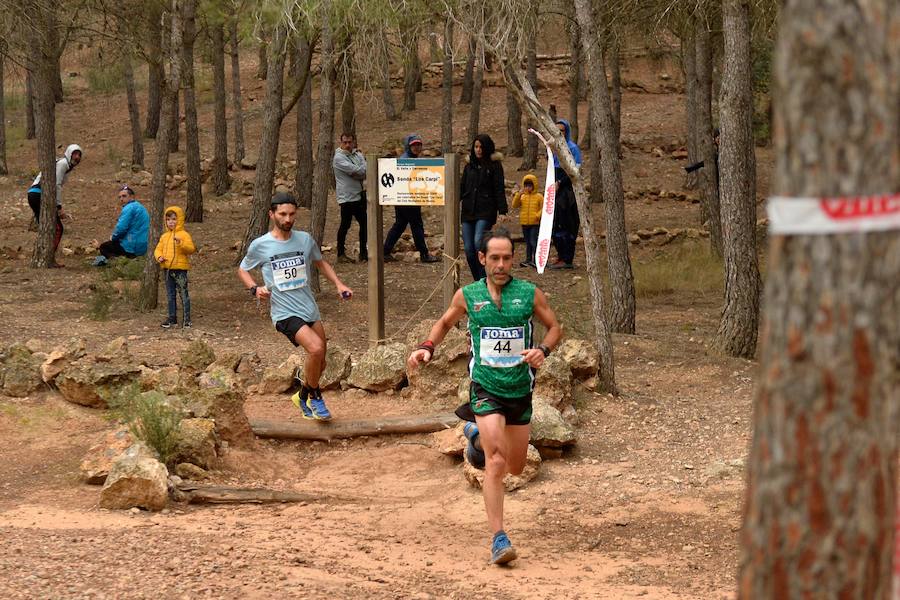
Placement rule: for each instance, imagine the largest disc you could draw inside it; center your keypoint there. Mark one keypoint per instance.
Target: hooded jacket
(573, 147)
(482, 189)
(175, 255)
(349, 175)
(133, 228)
(530, 205)
(565, 216)
(406, 145)
(63, 166)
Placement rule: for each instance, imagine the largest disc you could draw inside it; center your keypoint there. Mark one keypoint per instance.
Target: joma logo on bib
(289, 272)
(501, 346)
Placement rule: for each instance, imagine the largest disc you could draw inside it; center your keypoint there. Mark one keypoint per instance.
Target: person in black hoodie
(482, 196)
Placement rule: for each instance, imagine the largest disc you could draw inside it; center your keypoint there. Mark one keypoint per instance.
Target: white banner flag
(813, 216)
(542, 255)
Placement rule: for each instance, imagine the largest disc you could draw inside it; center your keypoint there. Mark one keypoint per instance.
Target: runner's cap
(415, 139)
(283, 198)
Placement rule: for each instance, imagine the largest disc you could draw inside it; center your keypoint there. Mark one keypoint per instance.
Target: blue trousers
(177, 281)
(472, 231)
(530, 233)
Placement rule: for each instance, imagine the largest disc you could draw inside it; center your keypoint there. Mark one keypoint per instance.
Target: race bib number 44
(501, 346)
(289, 271)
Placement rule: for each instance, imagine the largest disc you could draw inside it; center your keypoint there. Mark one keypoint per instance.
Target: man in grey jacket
(349, 176)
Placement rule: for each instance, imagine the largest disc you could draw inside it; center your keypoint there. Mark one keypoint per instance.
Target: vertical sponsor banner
(542, 255)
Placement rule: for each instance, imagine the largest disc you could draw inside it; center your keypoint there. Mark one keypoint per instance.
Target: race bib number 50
(289, 271)
(501, 346)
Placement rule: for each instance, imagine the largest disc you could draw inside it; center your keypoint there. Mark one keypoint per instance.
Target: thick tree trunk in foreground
(689, 66)
(4, 168)
(303, 178)
(740, 317)
(156, 75)
(709, 174)
(345, 84)
(475, 109)
(529, 160)
(237, 111)
(621, 279)
(29, 107)
(194, 209)
(174, 123)
(614, 57)
(822, 472)
(220, 179)
(575, 79)
(447, 90)
(134, 117)
(149, 293)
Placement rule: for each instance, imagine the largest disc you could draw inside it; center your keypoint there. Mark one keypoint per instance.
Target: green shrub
(100, 301)
(688, 267)
(150, 418)
(121, 267)
(105, 78)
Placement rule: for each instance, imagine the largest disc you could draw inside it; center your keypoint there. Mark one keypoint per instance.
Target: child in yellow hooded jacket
(531, 203)
(172, 253)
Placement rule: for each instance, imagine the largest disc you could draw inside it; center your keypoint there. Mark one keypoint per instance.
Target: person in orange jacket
(530, 203)
(172, 253)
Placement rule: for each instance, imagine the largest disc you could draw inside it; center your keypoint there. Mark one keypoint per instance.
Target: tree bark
(575, 78)
(411, 68)
(175, 124)
(516, 143)
(390, 108)
(689, 66)
(709, 174)
(447, 90)
(529, 161)
(822, 473)
(220, 180)
(465, 95)
(237, 111)
(215, 494)
(615, 89)
(156, 75)
(740, 318)
(56, 47)
(134, 116)
(475, 109)
(194, 207)
(4, 167)
(358, 428)
(304, 150)
(621, 279)
(595, 172)
(322, 171)
(148, 296)
(30, 127)
(262, 53)
(345, 84)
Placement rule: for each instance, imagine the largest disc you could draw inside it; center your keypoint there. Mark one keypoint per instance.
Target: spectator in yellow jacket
(172, 253)
(530, 203)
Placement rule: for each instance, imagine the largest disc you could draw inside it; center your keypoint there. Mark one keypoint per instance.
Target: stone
(196, 442)
(249, 162)
(381, 368)
(190, 471)
(225, 406)
(581, 356)
(99, 459)
(548, 428)
(554, 382)
(59, 358)
(450, 442)
(439, 378)
(475, 477)
(167, 380)
(279, 379)
(197, 356)
(136, 479)
(20, 371)
(117, 349)
(338, 365)
(89, 383)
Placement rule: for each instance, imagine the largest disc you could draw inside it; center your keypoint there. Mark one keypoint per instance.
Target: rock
(225, 406)
(115, 350)
(554, 382)
(548, 428)
(20, 371)
(89, 383)
(439, 378)
(633, 238)
(277, 380)
(232, 369)
(451, 442)
(196, 442)
(381, 368)
(35, 345)
(136, 479)
(190, 471)
(167, 380)
(99, 459)
(581, 356)
(249, 162)
(475, 477)
(60, 357)
(644, 234)
(197, 356)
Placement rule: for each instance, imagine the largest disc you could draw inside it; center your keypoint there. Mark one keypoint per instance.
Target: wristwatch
(544, 349)
(253, 290)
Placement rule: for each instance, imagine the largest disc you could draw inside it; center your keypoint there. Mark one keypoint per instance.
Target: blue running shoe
(473, 454)
(316, 403)
(300, 399)
(502, 550)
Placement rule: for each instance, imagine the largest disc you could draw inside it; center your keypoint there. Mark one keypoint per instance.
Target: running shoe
(502, 550)
(100, 261)
(168, 323)
(316, 404)
(187, 325)
(473, 454)
(429, 258)
(300, 399)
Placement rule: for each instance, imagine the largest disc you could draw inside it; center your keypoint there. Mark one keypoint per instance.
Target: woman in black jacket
(483, 196)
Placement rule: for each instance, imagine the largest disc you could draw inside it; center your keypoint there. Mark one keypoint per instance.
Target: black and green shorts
(481, 402)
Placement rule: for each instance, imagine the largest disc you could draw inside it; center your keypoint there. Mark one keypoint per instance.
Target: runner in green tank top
(502, 365)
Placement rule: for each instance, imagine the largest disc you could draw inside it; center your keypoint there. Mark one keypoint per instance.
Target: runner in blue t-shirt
(285, 256)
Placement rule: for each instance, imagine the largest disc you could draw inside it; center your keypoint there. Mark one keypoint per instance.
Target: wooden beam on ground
(375, 239)
(216, 494)
(339, 429)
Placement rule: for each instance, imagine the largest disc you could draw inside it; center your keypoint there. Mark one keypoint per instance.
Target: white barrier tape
(542, 254)
(816, 216)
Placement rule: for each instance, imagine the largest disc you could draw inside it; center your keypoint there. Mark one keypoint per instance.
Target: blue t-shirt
(285, 271)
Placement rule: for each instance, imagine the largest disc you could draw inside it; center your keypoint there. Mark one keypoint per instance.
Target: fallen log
(338, 429)
(215, 494)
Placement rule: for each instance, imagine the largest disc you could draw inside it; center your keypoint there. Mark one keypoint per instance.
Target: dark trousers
(112, 249)
(34, 201)
(472, 232)
(530, 233)
(403, 216)
(565, 246)
(349, 211)
(177, 281)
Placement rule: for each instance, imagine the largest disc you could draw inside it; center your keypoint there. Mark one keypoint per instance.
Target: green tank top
(499, 335)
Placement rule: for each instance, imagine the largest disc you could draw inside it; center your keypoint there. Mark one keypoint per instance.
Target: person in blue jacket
(129, 238)
(566, 221)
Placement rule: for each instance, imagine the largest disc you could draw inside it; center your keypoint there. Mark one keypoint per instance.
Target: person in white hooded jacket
(63, 166)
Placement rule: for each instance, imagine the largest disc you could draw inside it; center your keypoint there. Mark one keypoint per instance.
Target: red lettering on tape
(860, 207)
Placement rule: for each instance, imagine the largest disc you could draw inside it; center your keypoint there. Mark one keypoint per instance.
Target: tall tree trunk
(29, 106)
(411, 67)
(621, 279)
(273, 115)
(587, 141)
(447, 90)
(740, 318)
(516, 144)
(390, 108)
(156, 75)
(304, 149)
(615, 89)
(709, 174)
(595, 172)
(4, 168)
(465, 95)
(689, 66)
(575, 78)
(262, 53)
(237, 111)
(148, 296)
(175, 123)
(345, 84)
(194, 209)
(819, 515)
(42, 70)
(134, 116)
(517, 82)
(55, 46)
(220, 179)
(475, 109)
(529, 161)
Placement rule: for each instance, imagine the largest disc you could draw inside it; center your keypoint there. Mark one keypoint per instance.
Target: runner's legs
(491, 430)
(312, 338)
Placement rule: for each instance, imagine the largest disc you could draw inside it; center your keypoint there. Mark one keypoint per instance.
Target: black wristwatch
(253, 290)
(544, 349)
